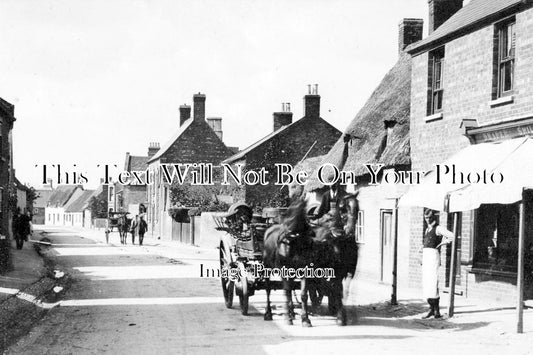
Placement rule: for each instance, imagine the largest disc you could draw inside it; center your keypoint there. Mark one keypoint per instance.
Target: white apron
(430, 272)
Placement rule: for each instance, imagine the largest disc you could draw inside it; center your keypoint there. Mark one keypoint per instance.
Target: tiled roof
(79, 204)
(61, 195)
(287, 130)
(247, 150)
(471, 14)
(137, 163)
(42, 199)
(8, 108)
(20, 185)
(171, 141)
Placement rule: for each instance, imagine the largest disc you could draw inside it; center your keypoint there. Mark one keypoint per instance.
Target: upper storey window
(435, 81)
(505, 38)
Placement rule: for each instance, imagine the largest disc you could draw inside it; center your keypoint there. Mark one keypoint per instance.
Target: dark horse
(123, 228)
(289, 245)
(334, 244)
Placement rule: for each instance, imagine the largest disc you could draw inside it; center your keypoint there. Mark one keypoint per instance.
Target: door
(386, 246)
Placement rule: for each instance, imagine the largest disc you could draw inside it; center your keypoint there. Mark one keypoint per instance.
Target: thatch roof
(309, 165)
(369, 143)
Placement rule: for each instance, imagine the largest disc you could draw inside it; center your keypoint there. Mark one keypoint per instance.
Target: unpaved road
(151, 300)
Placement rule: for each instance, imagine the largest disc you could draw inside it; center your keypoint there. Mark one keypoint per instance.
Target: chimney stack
(409, 32)
(284, 117)
(199, 106)
(312, 102)
(216, 125)
(185, 113)
(154, 147)
(440, 11)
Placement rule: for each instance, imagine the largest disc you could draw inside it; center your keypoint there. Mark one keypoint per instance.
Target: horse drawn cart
(241, 251)
(120, 221)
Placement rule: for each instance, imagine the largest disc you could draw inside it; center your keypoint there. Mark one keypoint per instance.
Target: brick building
(7, 118)
(289, 143)
(132, 197)
(194, 142)
(472, 91)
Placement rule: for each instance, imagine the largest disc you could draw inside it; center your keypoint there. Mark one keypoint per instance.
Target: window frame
(435, 82)
(504, 58)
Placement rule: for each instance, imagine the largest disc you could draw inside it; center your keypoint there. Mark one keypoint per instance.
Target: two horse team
(301, 239)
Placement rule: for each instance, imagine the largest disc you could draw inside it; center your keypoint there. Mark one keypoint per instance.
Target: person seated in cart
(239, 218)
(337, 211)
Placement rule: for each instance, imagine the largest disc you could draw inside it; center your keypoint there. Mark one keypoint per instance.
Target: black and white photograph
(266, 177)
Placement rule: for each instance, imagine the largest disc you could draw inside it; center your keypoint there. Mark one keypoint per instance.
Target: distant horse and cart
(295, 238)
(120, 222)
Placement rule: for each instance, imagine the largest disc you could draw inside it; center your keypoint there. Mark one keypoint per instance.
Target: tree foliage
(31, 195)
(200, 198)
(98, 206)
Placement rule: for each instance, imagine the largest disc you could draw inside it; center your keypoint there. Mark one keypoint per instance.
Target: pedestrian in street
(434, 237)
(133, 228)
(22, 227)
(142, 229)
(15, 225)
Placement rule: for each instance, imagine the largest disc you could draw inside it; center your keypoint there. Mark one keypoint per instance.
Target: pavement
(27, 293)
(23, 291)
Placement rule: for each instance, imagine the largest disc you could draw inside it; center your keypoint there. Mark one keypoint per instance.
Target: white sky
(92, 80)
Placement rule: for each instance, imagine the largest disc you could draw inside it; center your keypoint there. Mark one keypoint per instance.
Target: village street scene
(163, 190)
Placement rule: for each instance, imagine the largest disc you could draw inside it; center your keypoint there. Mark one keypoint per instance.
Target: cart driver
(337, 212)
(239, 217)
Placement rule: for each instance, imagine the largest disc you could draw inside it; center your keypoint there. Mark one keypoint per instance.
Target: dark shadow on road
(382, 315)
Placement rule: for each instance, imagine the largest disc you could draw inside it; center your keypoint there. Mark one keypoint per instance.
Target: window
(435, 81)
(496, 240)
(504, 58)
(360, 227)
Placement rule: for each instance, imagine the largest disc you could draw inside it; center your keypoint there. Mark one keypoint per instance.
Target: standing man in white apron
(434, 237)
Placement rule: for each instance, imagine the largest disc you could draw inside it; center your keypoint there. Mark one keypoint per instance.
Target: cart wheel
(243, 286)
(225, 280)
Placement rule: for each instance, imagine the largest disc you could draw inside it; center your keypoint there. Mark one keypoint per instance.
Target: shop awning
(453, 185)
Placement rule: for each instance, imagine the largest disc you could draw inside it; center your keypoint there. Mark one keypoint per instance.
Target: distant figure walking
(142, 229)
(21, 227)
(134, 228)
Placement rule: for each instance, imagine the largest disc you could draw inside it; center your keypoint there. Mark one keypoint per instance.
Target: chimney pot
(153, 148)
(409, 31)
(185, 113)
(440, 11)
(312, 103)
(284, 117)
(199, 106)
